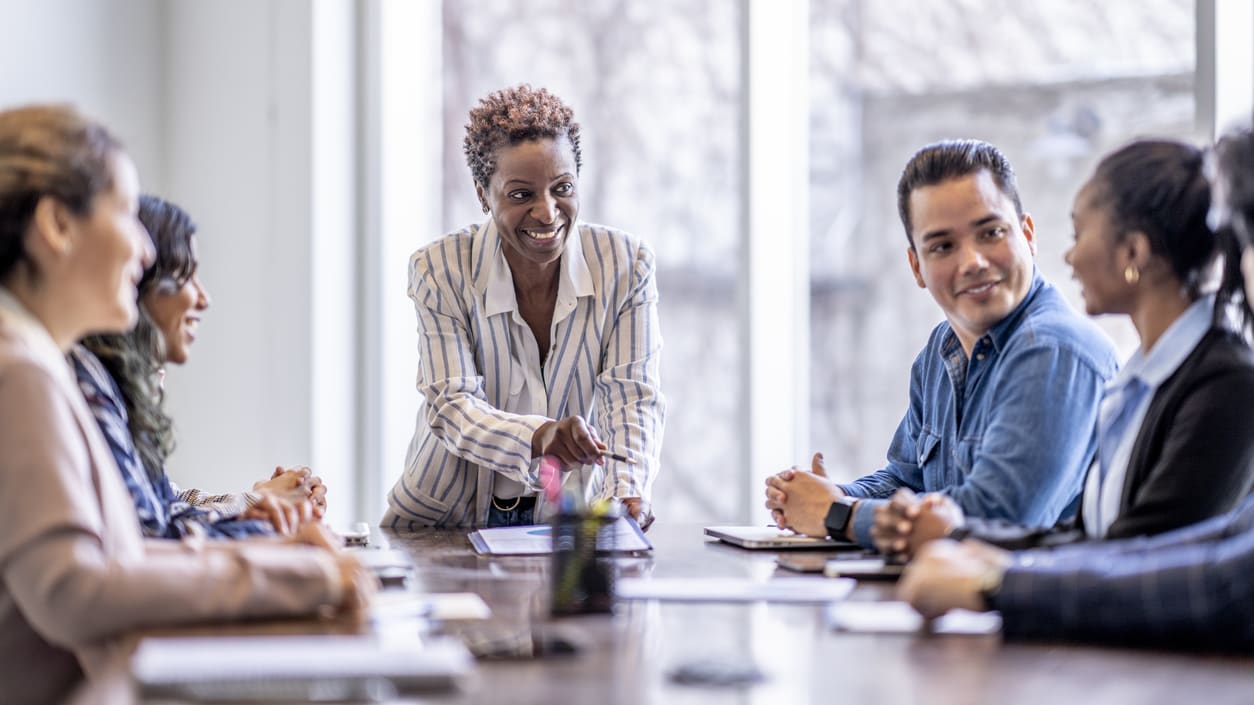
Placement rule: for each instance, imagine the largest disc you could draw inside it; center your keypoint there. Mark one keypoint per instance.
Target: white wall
(401, 191)
(263, 162)
(244, 112)
(105, 57)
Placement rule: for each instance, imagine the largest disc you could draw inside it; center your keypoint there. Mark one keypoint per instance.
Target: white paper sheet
(900, 618)
(796, 590)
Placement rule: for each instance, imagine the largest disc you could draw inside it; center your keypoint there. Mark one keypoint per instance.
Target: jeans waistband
(513, 504)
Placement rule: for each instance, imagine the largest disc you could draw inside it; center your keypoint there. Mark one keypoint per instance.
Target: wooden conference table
(630, 657)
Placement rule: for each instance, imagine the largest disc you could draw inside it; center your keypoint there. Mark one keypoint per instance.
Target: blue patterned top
(161, 513)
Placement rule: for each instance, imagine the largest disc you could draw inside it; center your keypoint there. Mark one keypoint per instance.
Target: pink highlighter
(551, 477)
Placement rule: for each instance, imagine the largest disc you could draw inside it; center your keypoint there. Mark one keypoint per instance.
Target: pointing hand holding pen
(572, 441)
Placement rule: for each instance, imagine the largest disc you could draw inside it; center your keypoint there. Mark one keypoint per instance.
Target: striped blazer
(604, 365)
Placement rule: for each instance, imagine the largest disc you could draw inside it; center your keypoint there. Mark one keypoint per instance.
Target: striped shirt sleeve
(457, 410)
(630, 407)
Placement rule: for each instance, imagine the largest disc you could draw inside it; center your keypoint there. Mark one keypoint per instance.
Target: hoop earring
(1132, 275)
(485, 209)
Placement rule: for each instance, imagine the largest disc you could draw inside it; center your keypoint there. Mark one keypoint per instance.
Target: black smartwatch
(838, 516)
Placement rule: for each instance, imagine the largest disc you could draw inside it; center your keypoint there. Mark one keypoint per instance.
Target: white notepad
(794, 590)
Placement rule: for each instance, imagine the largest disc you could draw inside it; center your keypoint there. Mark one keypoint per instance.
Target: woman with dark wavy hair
(140, 433)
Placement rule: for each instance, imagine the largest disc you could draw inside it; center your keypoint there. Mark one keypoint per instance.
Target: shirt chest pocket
(517, 379)
(942, 465)
(965, 453)
(927, 448)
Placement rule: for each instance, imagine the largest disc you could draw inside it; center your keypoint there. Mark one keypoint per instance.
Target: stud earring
(1132, 275)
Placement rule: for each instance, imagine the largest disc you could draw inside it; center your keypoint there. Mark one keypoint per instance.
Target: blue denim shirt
(1008, 433)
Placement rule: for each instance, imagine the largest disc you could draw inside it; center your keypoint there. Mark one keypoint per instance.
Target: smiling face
(1096, 259)
(175, 309)
(972, 252)
(110, 250)
(534, 199)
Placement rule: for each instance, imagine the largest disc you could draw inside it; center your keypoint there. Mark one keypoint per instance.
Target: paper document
(900, 618)
(623, 536)
(797, 590)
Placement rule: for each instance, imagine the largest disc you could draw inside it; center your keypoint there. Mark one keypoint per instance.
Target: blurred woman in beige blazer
(75, 573)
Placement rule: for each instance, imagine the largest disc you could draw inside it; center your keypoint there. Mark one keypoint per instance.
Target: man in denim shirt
(1005, 396)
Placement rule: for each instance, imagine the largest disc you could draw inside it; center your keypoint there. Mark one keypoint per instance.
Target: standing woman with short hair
(75, 573)
(538, 335)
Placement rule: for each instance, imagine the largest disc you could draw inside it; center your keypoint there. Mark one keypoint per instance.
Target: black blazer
(1193, 457)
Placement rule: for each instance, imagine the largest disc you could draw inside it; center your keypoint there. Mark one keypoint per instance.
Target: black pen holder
(582, 582)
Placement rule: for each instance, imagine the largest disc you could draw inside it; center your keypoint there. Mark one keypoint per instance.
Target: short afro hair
(514, 115)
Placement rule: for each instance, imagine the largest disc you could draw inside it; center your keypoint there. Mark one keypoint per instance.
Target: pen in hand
(620, 457)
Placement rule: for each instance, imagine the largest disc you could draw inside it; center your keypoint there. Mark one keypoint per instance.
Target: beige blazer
(77, 574)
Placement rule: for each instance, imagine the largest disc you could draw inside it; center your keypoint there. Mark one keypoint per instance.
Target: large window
(1055, 85)
(674, 98)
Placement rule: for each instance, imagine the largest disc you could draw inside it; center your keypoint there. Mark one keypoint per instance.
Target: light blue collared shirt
(1103, 495)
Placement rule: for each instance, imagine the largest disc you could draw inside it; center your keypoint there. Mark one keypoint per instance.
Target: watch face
(838, 519)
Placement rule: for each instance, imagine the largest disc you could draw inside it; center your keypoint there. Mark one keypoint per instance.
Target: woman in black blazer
(1173, 441)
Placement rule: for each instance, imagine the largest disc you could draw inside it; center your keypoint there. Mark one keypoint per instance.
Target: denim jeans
(521, 515)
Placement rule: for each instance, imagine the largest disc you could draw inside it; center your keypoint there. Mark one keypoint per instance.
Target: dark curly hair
(134, 360)
(514, 115)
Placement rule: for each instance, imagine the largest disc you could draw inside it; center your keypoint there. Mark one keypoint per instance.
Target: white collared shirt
(527, 393)
(1103, 497)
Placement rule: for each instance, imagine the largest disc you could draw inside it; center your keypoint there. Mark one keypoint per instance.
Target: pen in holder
(581, 583)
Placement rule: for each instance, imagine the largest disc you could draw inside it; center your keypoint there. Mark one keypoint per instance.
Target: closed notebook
(305, 667)
(772, 538)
